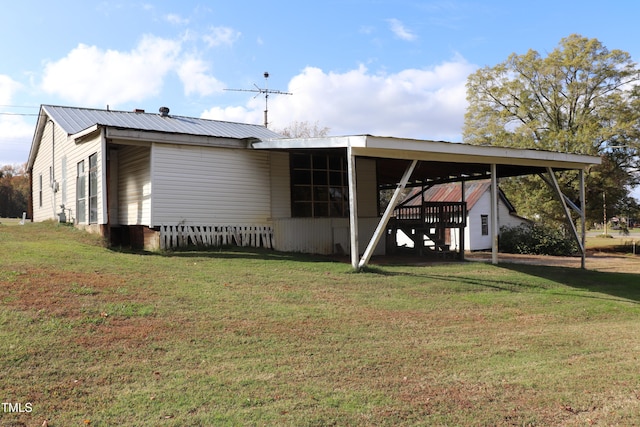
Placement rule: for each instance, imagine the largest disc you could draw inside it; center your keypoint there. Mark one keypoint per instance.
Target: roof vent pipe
(164, 111)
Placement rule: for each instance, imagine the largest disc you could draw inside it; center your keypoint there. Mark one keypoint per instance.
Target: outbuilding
(473, 234)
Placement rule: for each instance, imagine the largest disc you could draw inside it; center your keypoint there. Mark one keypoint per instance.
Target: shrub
(536, 239)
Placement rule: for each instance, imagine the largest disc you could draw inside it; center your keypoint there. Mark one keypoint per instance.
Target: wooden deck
(427, 225)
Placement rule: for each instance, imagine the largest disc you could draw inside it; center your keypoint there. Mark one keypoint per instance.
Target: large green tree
(580, 98)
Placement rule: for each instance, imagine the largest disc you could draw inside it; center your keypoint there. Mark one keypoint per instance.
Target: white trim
(103, 186)
(83, 133)
(402, 148)
(175, 138)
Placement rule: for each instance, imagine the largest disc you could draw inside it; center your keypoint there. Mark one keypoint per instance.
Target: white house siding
(209, 186)
(63, 165)
(474, 240)
(507, 219)
(134, 185)
(326, 235)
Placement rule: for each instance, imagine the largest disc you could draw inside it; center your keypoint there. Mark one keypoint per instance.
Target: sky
(381, 67)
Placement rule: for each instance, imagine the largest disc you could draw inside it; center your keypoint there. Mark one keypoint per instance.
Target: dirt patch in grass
(60, 293)
(88, 302)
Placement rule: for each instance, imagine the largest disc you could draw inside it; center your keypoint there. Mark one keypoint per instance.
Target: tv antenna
(266, 91)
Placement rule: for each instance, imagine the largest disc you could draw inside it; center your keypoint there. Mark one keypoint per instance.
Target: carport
(409, 162)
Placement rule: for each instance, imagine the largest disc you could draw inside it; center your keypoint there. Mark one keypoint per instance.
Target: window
(484, 221)
(319, 185)
(93, 188)
(81, 193)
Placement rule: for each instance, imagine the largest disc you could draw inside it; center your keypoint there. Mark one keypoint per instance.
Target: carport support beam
(580, 238)
(353, 207)
(494, 213)
(382, 225)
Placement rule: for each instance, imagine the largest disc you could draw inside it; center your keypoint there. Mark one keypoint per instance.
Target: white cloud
(176, 19)
(15, 132)
(234, 114)
(15, 139)
(221, 36)
(90, 76)
(400, 31)
(8, 87)
(193, 73)
(413, 103)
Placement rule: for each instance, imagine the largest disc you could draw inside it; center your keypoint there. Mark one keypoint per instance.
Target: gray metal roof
(74, 120)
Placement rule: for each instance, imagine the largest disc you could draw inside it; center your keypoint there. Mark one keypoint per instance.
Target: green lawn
(91, 336)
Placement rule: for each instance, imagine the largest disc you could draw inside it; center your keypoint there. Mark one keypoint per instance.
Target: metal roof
(74, 120)
(452, 192)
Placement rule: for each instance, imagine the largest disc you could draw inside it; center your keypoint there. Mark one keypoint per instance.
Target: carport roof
(438, 161)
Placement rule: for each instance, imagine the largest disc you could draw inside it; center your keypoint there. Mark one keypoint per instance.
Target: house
(477, 196)
(158, 180)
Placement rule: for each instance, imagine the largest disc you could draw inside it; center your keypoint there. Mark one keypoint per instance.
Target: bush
(536, 239)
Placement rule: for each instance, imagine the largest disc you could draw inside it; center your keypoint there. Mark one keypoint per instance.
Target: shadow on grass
(619, 285)
(231, 252)
(616, 285)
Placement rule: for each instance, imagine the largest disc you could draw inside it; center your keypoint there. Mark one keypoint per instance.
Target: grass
(90, 336)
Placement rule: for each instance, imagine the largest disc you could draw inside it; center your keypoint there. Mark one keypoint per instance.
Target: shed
(477, 195)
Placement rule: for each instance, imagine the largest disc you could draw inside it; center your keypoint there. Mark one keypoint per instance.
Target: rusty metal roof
(452, 192)
(74, 120)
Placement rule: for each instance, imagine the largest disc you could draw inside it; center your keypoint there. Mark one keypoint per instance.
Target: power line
(19, 114)
(18, 106)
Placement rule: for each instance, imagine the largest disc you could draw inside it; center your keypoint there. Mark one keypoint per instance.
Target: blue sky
(382, 67)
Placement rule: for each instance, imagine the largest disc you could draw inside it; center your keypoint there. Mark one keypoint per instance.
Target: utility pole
(266, 91)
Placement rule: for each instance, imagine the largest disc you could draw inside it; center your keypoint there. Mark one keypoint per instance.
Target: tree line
(14, 190)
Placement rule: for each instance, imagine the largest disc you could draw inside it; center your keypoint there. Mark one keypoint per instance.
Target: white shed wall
(209, 185)
(322, 235)
(474, 240)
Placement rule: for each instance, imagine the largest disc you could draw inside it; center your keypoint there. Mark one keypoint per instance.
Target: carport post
(583, 210)
(494, 214)
(353, 207)
(382, 225)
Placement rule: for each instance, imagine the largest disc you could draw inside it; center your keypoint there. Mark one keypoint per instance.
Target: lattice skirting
(176, 236)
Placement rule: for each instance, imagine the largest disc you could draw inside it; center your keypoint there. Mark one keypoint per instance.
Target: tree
(14, 190)
(581, 98)
(304, 129)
